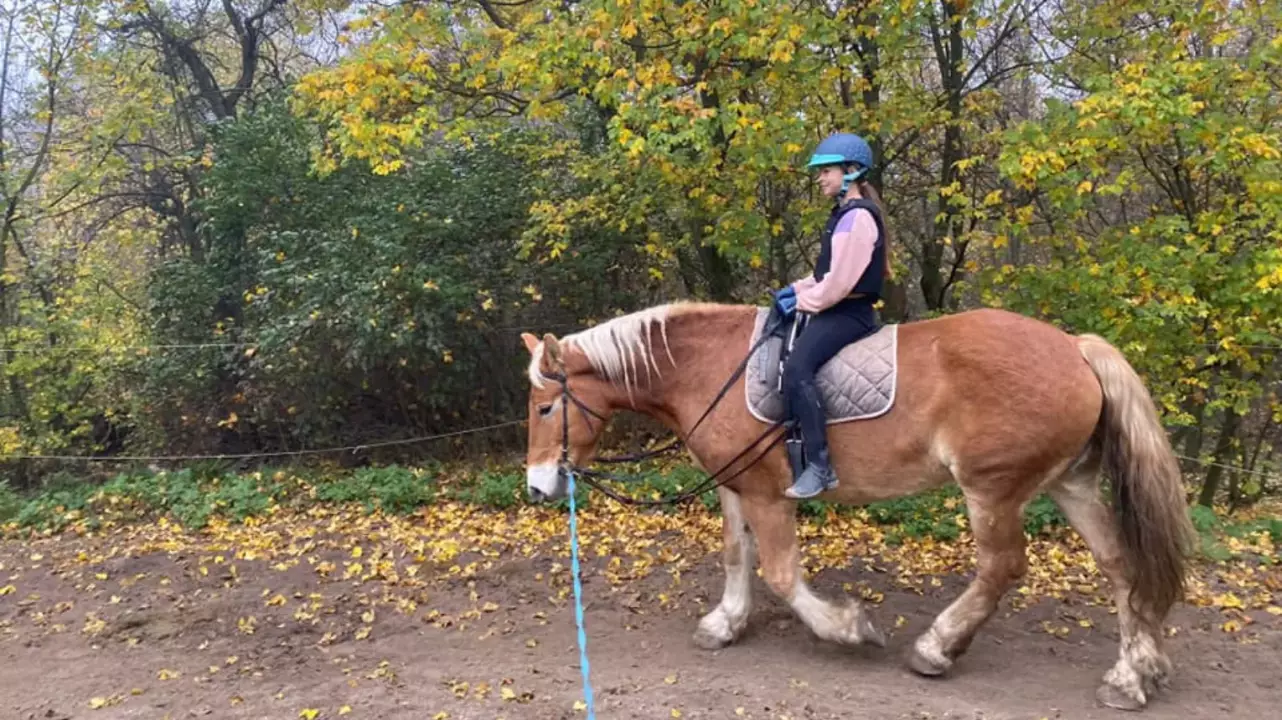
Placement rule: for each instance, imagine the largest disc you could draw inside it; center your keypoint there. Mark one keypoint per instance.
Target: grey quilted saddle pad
(858, 383)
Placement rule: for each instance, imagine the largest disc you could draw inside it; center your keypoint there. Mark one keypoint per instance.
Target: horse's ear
(531, 342)
(553, 349)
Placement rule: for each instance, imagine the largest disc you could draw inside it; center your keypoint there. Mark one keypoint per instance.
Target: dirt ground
(272, 625)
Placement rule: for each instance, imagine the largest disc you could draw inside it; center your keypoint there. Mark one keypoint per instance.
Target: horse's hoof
(708, 641)
(927, 657)
(923, 666)
(713, 639)
(1118, 699)
(870, 634)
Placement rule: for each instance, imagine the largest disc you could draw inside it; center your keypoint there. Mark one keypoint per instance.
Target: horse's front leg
(724, 624)
(774, 523)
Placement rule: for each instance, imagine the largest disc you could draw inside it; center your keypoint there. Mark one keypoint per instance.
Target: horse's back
(1006, 386)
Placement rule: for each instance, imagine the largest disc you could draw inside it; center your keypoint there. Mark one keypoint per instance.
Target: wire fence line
(422, 439)
(271, 454)
(1235, 468)
(246, 344)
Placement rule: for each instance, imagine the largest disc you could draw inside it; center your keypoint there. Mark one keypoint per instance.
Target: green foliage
(388, 303)
(10, 503)
(931, 515)
(937, 514)
(392, 489)
(500, 490)
(1215, 530)
(1184, 147)
(687, 122)
(56, 505)
(1043, 516)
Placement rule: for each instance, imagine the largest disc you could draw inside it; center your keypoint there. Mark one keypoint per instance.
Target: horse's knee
(782, 581)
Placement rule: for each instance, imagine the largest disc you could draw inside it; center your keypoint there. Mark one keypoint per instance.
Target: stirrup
(812, 485)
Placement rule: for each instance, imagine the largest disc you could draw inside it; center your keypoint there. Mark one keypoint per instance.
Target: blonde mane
(617, 349)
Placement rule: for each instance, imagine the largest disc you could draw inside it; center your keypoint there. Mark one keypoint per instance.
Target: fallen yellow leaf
(1227, 600)
(345, 709)
(308, 713)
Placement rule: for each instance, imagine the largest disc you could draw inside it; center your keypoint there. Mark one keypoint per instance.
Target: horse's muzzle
(544, 483)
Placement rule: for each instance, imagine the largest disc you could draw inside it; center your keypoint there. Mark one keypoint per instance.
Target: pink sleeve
(853, 241)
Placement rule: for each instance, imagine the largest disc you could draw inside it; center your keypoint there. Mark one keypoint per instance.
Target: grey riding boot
(818, 476)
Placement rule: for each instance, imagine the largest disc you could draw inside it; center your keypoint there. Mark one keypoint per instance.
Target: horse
(1005, 406)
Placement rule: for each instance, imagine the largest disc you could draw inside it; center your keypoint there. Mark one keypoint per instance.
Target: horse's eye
(545, 410)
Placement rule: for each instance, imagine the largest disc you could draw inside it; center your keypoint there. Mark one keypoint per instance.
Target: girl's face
(829, 179)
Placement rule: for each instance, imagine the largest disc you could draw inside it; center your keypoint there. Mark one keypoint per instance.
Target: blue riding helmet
(844, 149)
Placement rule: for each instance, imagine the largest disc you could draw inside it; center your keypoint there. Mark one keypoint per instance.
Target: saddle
(858, 383)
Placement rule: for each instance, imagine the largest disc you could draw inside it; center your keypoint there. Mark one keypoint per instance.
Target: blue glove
(786, 301)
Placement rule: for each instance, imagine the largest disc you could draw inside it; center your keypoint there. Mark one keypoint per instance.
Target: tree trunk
(1196, 435)
(1223, 457)
(935, 278)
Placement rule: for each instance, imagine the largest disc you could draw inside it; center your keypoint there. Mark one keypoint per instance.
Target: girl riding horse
(839, 296)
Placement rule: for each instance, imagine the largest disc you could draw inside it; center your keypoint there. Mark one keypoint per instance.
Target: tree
(1156, 204)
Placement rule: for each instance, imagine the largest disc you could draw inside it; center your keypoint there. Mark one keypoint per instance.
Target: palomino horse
(1003, 405)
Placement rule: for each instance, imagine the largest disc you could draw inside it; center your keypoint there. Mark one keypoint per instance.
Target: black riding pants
(824, 336)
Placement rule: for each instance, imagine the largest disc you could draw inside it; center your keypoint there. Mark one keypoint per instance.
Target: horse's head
(552, 366)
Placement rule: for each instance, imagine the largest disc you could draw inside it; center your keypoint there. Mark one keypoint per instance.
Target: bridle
(593, 478)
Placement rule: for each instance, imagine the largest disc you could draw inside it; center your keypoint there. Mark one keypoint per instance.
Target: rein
(593, 478)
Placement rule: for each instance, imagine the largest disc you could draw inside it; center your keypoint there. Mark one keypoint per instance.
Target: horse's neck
(706, 346)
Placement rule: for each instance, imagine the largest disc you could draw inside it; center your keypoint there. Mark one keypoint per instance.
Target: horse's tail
(1148, 493)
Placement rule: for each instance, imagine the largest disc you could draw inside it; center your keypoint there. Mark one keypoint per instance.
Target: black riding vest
(873, 279)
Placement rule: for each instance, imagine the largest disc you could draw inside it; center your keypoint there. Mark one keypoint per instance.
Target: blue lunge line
(578, 600)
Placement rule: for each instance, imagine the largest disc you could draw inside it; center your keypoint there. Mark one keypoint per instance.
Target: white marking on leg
(730, 616)
(847, 624)
(816, 612)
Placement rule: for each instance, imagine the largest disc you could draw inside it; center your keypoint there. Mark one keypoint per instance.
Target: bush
(491, 489)
(10, 503)
(393, 489)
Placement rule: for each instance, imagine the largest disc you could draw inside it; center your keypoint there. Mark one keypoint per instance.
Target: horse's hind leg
(773, 520)
(999, 534)
(723, 625)
(1142, 665)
